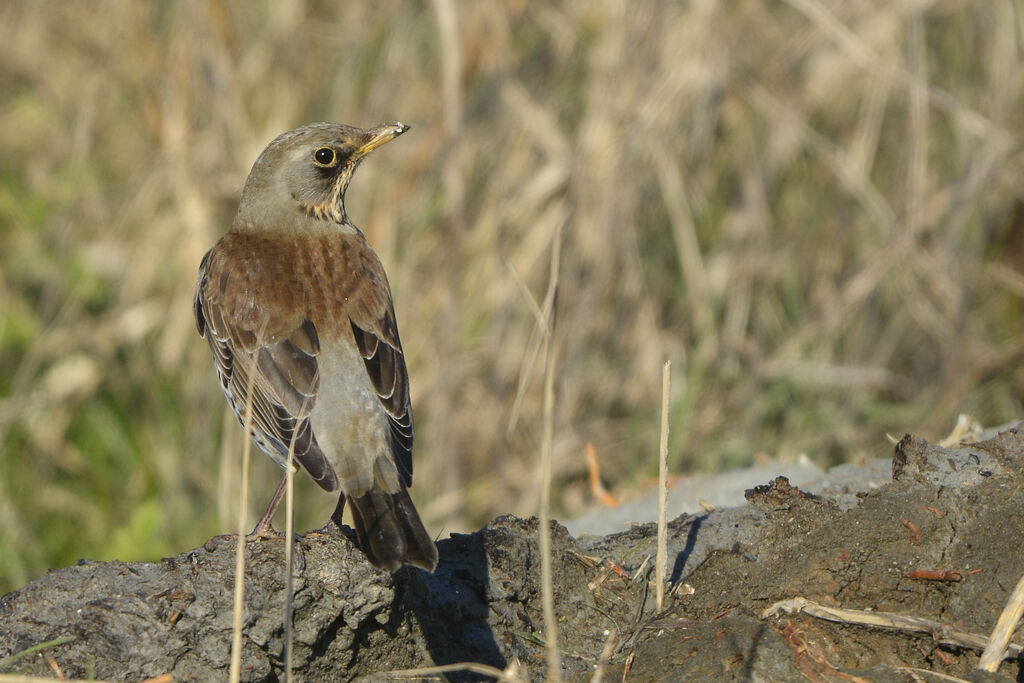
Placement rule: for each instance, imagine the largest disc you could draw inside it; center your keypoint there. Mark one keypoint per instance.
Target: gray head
(306, 172)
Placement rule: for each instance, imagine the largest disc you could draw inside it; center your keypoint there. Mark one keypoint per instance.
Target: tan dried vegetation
(813, 207)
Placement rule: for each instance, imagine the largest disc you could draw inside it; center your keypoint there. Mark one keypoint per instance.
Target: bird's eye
(325, 156)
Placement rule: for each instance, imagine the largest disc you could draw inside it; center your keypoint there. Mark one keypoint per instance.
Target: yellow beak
(378, 136)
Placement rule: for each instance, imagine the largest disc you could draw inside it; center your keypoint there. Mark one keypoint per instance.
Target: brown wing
(272, 352)
(372, 316)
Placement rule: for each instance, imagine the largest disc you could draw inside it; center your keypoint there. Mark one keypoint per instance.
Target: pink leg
(264, 527)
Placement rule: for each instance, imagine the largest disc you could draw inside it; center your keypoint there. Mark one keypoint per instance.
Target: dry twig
(995, 651)
(943, 633)
(659, 593)
(511, 673)
(547, 446)
(606, 653)
(243, 505)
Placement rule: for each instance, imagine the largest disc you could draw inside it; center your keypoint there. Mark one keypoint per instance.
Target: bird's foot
(223, 537)
(329, 529)
(265, 530)
(332, 530)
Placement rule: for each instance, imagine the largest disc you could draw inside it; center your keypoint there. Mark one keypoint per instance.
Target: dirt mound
(940, 543)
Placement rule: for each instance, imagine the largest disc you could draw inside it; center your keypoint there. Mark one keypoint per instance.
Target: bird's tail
(390, 531)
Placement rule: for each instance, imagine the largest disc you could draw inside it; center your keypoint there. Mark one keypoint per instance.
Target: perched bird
(298, 313)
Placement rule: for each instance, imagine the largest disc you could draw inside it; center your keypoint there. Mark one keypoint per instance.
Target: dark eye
(324, 156)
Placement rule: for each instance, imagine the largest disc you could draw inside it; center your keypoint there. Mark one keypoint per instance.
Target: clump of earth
(931, 538)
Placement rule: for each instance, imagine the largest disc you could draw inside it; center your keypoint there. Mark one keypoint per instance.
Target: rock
(956, 509)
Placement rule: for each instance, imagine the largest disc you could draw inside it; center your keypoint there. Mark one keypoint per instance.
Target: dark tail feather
(390, 531)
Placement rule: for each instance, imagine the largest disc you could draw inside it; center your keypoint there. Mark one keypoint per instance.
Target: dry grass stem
(450, 225)
(606, 654)
(13, 678)
(659, 565)
(547, 448)
(684, 232)
(943, 633)
(866, 57)
(289, 561)
(995, 651)
(9, 660)
(289, 540)
(243, 508)
(923, 674)
(511, 674)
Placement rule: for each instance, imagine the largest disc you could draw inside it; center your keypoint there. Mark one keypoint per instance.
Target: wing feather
(372, 317)
(386, 367)
(279, 349)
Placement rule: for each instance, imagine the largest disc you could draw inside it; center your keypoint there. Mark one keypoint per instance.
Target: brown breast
(277, 280)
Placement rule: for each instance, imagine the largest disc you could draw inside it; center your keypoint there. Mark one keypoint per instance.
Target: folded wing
(266, 359)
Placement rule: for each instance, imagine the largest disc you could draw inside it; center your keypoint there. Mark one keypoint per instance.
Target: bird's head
(307, 170)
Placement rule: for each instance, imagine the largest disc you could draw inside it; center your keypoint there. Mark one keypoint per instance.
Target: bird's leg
(334, 523)
(265, 527)
(339, 510)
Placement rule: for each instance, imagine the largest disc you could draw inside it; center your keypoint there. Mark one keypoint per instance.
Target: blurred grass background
(813, 207)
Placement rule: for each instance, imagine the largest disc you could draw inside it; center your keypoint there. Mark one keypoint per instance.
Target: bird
(298, 313)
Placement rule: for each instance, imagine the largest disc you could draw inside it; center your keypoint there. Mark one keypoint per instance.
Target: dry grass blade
(925, 673)
(8, 661)
(659, 571)
(542, 313)
(995, 651)
(547, 447)
(451, 224)
(243, 509)
(691, 261)
(943, 633)
(11, 678)
(533, 350)
(511, 674)
(448, 26)
(289, 539)
(863, 54)
(606, 654)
